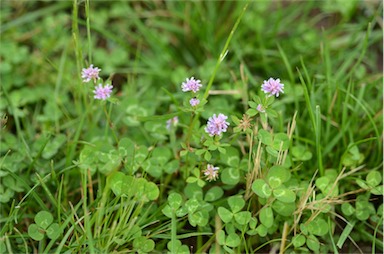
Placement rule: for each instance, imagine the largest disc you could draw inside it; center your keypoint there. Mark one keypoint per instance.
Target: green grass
(106, 170)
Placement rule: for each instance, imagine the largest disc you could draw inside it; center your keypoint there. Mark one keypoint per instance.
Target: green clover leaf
(261, 188)
(266, 217)
(43, 219)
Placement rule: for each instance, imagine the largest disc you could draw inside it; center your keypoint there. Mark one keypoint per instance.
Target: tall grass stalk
(318, 140)
(88, 14)
(305, 85)
(173, 230)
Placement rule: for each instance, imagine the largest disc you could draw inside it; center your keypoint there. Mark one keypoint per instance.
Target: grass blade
(344, 235)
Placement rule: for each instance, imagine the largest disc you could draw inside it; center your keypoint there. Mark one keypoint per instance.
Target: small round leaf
(213, 194)
(220, 237)
(278, 172)
(373, 178)
(181, 212)
(143, 244)
(253, 223)
(236, 203)
(261, 188)
(174, 200)
(262, 230)
(151, 191)
(174, 243)
(34, 232)
(285, 209)
(115, 181)
(231, 157)
(44, 219)
(233, 240)
(298, 241)
(266, 216)
(53, 231)
(199, 218)
(281, 141)
(225, 214)
(301, 153)
(318, 227)
(265, 137)
(284, 195)
(347, 209)
(148, 245)
(167, 211)
(230, 176)
(304, 228)
(192, 205)
(313, 244)
(322, 183)
(243, 217)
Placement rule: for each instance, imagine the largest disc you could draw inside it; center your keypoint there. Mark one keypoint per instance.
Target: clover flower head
(191, 84)
(272, 87)
(245, 122)
(211, 172)
(216, 125)
(90, 73)
(194, 102)
(260, 108)
(102, 92)
(172, 122)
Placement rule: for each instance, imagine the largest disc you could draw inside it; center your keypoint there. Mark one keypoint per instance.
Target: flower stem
(110, 124)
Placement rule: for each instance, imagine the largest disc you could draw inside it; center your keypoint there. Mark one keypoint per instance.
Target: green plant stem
(266, 243)
(331, 236)
(38, 154)
(173, 231)
(59, 198)
(100, 212)
(69, 231)
(47, 191)
(31, 191)
(87, 13)
(172, 136)
(110, 124)
(224, 52)
(375, 233)
(311, 115)
(42, 245)
(199, 238)
(318, 140)
(72, 147)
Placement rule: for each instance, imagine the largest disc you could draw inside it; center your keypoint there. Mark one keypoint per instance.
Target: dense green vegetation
(143, 170)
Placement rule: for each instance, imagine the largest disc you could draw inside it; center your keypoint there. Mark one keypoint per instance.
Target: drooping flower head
(211, 172)
(260, 108)
(272, 87)
(172, 122)
(194, 102)
(216, 125)
(102, 92)
(191, 84)
(90, 73)
(245, 123)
